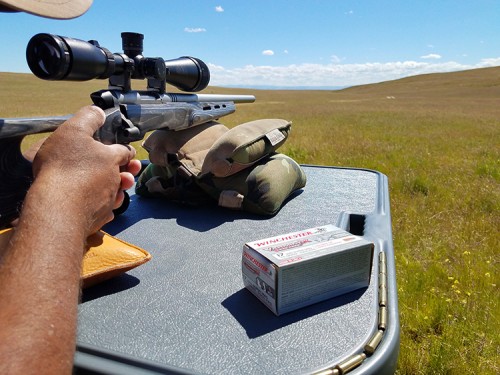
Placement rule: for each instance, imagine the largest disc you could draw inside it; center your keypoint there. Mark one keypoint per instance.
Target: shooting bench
(187, 311)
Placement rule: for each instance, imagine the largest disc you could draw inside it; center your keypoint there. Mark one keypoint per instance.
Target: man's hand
(78, 182)
(87, 173)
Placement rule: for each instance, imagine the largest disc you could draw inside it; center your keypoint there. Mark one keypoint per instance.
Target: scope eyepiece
(54, 57)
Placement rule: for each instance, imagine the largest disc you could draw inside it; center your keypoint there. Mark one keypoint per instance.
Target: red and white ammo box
(297, 269)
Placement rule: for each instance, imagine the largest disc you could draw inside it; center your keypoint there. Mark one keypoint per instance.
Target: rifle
(130, 114)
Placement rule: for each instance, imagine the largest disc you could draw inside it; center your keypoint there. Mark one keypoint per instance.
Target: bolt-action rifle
(129, 114)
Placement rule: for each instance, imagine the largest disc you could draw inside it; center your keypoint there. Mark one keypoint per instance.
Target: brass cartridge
(374, 341)
(351, 363)
(382, 318)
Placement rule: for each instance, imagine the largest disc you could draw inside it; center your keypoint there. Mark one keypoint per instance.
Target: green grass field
(437, 138)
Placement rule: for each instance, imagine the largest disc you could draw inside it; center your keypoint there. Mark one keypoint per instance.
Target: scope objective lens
(48, 57)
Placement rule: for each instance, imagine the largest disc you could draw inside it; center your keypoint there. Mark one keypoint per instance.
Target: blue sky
(286, 42)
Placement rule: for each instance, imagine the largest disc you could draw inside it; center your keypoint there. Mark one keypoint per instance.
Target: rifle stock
(139, 111)
(131, 117)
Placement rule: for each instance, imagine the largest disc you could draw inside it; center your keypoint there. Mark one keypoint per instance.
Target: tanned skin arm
(78, 182)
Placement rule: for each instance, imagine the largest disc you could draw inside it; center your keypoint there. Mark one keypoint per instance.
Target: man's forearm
(39, 284)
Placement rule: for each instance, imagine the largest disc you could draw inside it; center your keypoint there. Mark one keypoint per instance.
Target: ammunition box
(297, 269)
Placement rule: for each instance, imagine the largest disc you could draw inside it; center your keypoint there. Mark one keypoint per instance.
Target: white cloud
(332, 74)
(194, 29)
(486, 63)
(219, 9)
(285, 52)
(268, 52)
(431, 56)
(334, 59)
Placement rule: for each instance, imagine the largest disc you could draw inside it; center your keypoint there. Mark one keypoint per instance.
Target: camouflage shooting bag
(239, 168)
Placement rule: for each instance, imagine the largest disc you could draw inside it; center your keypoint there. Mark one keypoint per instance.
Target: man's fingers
(134, 167)
(123, 153)
(127, 180)
(120, 196)
(89, 119)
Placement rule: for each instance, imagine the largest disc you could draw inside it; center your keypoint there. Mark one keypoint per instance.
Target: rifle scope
(53, 57)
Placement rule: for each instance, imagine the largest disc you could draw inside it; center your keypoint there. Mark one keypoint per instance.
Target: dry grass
(437, 138)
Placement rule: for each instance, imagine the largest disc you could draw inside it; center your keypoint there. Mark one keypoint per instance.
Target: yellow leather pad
(107, 257)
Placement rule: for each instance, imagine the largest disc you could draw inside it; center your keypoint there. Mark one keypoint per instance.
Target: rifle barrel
(145, 97)
(211, 98)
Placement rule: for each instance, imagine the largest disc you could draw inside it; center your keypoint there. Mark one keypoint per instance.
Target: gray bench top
(187, 310)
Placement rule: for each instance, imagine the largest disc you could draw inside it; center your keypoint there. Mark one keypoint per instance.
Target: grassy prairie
(437, 138)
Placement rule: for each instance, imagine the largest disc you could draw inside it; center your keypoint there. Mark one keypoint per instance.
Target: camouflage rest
(238, 168)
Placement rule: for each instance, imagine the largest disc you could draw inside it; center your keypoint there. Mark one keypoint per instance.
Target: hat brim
(59, 9)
